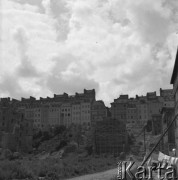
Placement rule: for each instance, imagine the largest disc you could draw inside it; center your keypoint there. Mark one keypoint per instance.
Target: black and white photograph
(88, 89)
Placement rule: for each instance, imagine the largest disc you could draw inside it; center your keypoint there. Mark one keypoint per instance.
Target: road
(106, 175)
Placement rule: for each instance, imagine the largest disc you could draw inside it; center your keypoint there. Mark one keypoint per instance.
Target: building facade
(76, 113)
(168, 97)
(142, 108)
(168, 142)
(174, 81)
(119, 108)
(54, 114)
(86, 113)
(98, 111)
(66, 114)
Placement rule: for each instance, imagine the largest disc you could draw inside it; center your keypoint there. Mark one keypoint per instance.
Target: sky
(113, 46)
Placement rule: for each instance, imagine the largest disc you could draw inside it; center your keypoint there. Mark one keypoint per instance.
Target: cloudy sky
(114, 46)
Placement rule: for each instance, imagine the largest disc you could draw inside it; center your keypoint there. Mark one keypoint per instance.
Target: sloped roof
(175, 70)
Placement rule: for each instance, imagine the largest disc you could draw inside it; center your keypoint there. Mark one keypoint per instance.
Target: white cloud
(114, 46)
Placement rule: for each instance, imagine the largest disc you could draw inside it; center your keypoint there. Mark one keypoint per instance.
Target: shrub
(6, 154)
(59, 129)
(14, 170)
(89, 150)
(62, 144)
(46, 136)
(37, 135)
(140, 143)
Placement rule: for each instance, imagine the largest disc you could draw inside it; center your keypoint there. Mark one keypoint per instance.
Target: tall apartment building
(174, 81)
(54, 114)
(60, 97)
(29, 113)
(132, 114)
(86, 113)
(98, 111)
(25, 102)
(119, 108)
(62, 109)
(132, 118)
(168, 97)
(142, 108)
(155, 104)
(76, 113)
(66, 114)
(81, 113)
(38, 114)
(87, 95)
(136, 112)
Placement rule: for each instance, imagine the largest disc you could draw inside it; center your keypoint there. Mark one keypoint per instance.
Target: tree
(59, 129)
(37, 135)
(78, 135)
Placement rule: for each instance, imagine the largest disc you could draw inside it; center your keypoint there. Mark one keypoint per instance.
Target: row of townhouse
(168, 113)
(81, 108)
(136, 112)
(49, 115)
(87, 95)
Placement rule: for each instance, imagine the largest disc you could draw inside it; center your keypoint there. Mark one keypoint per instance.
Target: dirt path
(106, 175)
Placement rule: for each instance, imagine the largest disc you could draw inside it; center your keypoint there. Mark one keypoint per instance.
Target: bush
(89, 150)
(131, 139)
(46, 136)
(122, 156)
(70, 148)
(62, 144)
(37, 135)
(6, 154)
(36, 143)
(140, 143)
(14, 170)
(59, 130)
